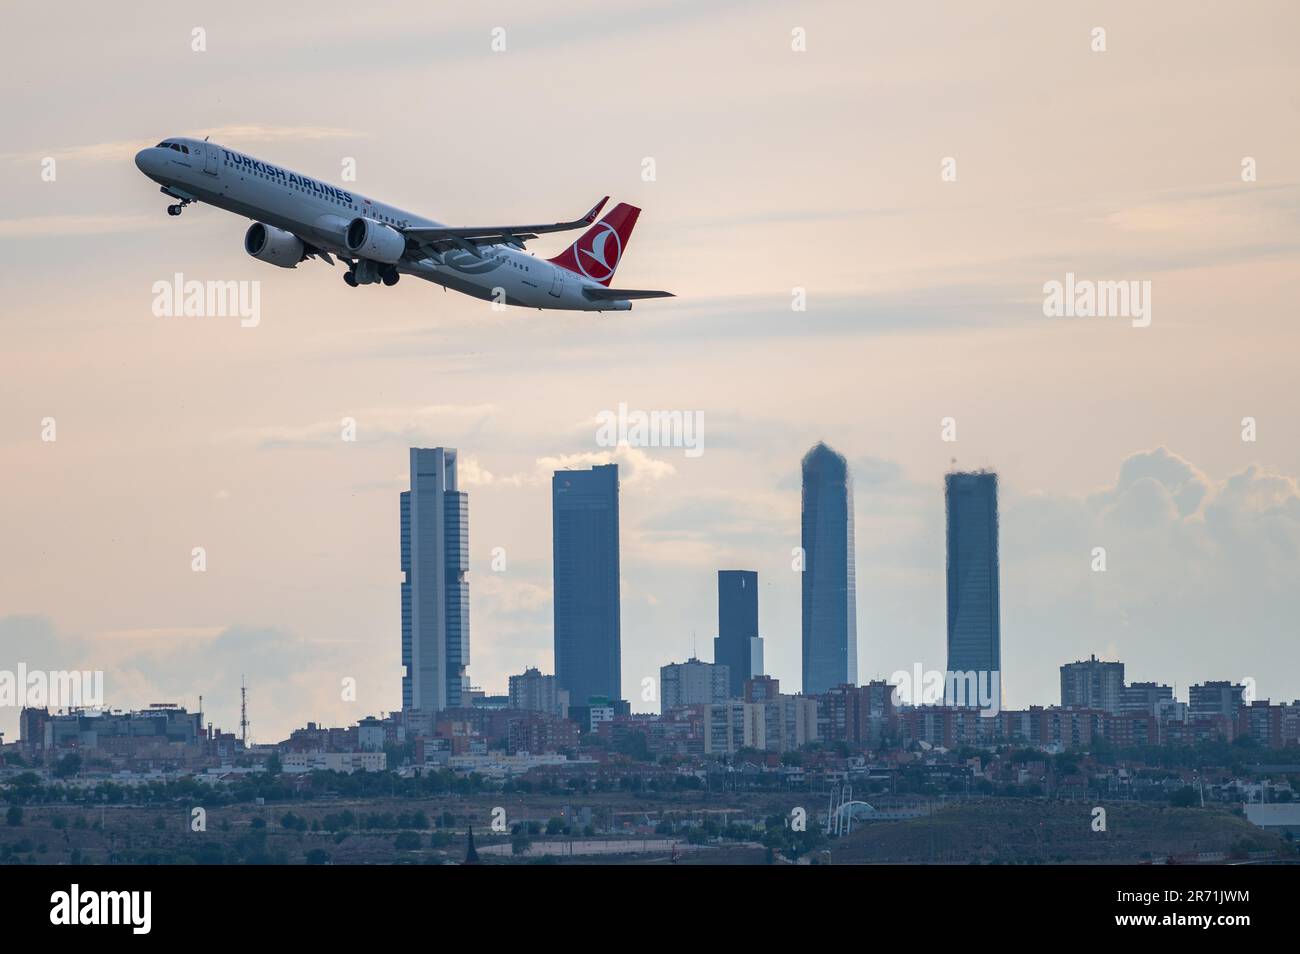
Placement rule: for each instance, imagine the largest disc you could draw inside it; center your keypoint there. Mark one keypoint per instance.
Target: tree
(68, 766)
(406, 841)
(519, 843)
(14, 817)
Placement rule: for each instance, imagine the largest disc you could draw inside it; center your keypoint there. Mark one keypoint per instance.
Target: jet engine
(266, 243)
(375, 241)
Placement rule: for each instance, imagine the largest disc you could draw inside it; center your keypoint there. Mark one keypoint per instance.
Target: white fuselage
(319, 213)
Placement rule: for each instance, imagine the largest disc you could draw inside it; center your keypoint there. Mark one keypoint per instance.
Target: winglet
(595, 211)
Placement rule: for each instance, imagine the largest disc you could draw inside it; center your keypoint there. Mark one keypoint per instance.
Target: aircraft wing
(623, 294)
(469, 238)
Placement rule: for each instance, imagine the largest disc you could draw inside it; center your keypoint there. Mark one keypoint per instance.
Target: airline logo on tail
(596, 255)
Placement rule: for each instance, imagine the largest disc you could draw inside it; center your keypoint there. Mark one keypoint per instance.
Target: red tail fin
(597, 253)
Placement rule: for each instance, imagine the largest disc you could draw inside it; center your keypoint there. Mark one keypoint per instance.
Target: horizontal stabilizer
(623, 294)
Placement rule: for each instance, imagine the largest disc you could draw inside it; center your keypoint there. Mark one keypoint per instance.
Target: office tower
(1145, 697)
(1215, 699)
(584, 543)
(435, 591)
(738, 645)
(830, 613)
(1093, 684)
(534, 691)
(692, 683)
(974, 620)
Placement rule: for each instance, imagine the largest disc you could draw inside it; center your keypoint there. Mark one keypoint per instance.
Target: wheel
(350, 279)
(173, 210)
(391, 276)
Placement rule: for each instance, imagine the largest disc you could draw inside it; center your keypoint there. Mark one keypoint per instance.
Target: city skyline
(503, 664)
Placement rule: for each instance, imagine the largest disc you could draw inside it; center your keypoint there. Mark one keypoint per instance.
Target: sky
(823, 169)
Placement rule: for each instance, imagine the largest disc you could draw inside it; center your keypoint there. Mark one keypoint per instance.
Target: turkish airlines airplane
(296, 217)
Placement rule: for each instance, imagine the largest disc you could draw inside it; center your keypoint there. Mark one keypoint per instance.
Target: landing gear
(364, 272)
(174, 210)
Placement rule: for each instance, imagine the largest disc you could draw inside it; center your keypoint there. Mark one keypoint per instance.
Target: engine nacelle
(367, 238)
(266, 243)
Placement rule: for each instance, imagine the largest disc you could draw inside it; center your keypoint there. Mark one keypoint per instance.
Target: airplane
(296, 217)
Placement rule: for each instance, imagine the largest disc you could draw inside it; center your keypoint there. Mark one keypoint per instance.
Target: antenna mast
(243, 713)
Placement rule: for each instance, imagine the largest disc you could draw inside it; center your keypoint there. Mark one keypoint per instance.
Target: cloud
(237, 134)
(48, 226)
(291, 679)
(1199, 578)
(636, 467)
(415, 426)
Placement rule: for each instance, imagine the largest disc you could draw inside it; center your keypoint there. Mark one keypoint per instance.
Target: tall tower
(738, 645)
(435, 590)
(584, 549)
(830, 604)
(974, 619)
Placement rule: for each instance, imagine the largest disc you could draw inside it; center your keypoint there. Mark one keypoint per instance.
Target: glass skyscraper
(974, 627)
(830, 605)
(584, 549)
(435, 589)
(738, 645)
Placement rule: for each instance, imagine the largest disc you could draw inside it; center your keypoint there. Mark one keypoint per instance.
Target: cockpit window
(162, 145)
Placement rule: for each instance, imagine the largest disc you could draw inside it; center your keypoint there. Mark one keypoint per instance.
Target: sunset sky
(774, 170)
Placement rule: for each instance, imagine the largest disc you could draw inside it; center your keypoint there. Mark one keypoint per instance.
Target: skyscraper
(1093, 684)
(974, 620)
(435, 591)
(830, 605)
(584, 544)
(738, 645)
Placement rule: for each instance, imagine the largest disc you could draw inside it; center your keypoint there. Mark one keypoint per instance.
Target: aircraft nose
(146, 160)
